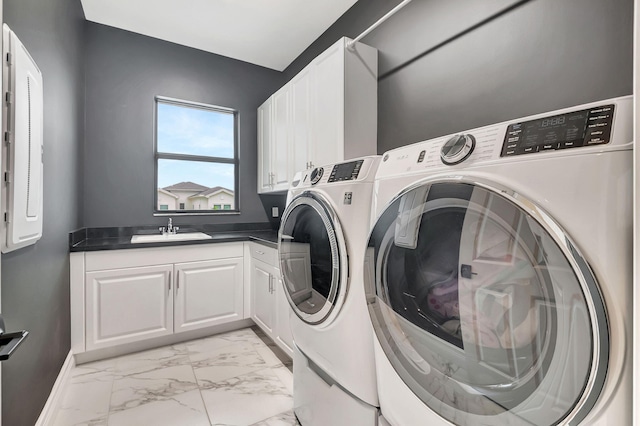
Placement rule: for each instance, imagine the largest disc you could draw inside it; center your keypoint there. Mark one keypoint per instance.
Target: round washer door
(312, 258)
(484, 307)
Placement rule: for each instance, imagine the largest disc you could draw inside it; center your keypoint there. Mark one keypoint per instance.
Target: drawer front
(264, 254)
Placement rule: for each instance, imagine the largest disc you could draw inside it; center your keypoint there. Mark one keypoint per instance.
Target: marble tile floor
(232, 379)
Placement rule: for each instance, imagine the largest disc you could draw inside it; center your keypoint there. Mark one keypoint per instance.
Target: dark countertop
(97, 239)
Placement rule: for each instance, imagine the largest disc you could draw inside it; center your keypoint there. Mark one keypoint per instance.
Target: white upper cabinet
(281, 135)
(264, 147)
(300, 88)
(327, 107)
(325, 114)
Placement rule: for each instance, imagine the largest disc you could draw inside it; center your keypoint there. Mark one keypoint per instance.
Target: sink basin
(170, 237)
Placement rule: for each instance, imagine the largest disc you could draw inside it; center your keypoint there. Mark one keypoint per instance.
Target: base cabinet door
(262, 300)
(128, 305)
(208, 293)
(283, 323)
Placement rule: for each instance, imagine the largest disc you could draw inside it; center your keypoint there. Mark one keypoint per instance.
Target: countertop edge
(121, 243)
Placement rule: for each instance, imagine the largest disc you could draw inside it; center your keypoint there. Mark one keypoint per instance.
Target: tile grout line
(204, 405)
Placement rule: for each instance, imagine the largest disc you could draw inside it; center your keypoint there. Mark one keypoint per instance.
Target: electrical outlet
(274, 212)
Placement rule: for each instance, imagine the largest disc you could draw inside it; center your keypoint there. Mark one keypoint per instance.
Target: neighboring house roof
(168, 193)
(186, 186)
(209, 192)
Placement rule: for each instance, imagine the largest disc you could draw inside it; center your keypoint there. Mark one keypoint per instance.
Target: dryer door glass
(484, 307)
(310, 257)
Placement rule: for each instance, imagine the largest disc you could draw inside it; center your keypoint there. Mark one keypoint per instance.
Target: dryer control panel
(345, 171)
(570, 130)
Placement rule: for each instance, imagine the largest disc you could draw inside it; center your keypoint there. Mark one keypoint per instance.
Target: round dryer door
(312, 258)
(484, 307)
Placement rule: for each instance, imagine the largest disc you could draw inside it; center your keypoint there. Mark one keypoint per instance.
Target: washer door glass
(484, 307)
(310, 257)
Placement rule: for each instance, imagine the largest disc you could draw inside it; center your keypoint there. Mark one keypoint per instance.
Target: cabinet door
(208, 293)
(262, 300)
(128, 305)
(301, 120)
(264, 146)
(280, 143)
(284, 338)
(328, 106)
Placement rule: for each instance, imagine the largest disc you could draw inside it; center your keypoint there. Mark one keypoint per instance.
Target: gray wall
(540, 56)
(125, 71)
(35, 280)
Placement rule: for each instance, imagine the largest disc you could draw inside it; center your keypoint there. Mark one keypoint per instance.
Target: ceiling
(270, 33)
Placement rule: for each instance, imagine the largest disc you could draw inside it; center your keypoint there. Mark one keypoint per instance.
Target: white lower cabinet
(207, 293)
(128, 305)
(283, 335)
(269, 305)
(126, 296)
(121, 297)
(262, 295)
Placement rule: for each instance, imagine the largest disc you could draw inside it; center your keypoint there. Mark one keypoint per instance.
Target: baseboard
(47, 416)
(143, 345)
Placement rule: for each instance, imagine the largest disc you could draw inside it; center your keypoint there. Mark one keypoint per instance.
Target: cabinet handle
(170, 275)
(259, 252)
(270, 284)
(178, 280)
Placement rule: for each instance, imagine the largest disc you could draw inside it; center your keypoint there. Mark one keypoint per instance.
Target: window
(196, 149)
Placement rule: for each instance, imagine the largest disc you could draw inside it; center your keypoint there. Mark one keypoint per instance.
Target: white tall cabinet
(325, 114)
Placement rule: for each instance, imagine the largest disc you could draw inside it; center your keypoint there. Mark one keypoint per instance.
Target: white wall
(168, 200)
(222, 199)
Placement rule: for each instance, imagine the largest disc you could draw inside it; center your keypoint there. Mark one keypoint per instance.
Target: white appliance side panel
(361, 101)
(25, 166)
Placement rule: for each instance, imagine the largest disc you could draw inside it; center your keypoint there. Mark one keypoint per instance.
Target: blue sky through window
(195, 131)
(189, 130)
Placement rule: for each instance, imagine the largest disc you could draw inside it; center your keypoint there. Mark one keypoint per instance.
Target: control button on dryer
(316, 175)
(457, 149)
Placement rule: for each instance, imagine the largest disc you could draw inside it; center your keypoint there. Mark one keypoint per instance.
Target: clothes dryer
(321, 246)
(498, 273)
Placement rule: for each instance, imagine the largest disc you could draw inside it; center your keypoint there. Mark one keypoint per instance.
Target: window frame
(199, 158)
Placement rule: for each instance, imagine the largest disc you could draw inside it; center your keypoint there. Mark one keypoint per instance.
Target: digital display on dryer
(345, 171)
(571, 130)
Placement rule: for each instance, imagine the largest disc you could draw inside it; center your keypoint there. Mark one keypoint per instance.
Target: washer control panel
(345, 171)
(574, 129)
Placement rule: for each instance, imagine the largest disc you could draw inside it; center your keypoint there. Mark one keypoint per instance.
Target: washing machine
(322, 238)
(498, 273)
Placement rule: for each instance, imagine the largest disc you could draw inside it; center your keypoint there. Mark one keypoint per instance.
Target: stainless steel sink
(187, 236)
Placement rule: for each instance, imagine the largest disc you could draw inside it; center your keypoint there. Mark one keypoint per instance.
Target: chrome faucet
(170, 229)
